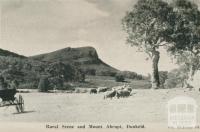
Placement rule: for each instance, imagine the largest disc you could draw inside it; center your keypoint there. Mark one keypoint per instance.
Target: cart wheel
(17, 106)
(21, 103)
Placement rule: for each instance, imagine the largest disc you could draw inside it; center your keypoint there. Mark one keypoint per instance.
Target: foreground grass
(146, 106)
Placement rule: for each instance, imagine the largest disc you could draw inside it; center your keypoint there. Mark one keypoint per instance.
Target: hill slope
(84, 57)
(10, 54)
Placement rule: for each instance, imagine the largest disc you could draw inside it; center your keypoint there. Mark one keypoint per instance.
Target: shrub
(67, 86)
(163, 76)
(170, 83)
(119, 78)
(30, 85)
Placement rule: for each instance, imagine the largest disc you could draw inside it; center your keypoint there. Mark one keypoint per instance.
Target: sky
(31, 27)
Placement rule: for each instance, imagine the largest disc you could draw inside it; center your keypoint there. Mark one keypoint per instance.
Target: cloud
(45, 22)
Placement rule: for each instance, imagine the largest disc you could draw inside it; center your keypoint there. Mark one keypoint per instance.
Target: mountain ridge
(84, 57)
(7, 53)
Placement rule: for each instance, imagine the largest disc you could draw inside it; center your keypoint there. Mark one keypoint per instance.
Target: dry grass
(144, 106)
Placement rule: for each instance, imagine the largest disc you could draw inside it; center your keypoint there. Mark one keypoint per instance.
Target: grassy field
(146, 106)
(107, 81)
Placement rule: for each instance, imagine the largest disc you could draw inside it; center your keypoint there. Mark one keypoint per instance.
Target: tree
(65, 72)
(43, 85)
(186, 47)
(119, 77)
(149, 25)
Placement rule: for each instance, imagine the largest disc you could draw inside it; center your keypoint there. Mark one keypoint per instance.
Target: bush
(132, 75)
(176, 78)
(163, 76)
(28, 85)
(119, 78)
(67, 86)
(43, 84)
(170, 83)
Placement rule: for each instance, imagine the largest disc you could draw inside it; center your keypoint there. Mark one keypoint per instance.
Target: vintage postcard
(99, 65)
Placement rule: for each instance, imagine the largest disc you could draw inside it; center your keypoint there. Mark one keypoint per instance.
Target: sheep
(93, 91)
(110, 94)
(128, 89)
(102, 89)
(123, 93)
(118, 88)
(124, 87)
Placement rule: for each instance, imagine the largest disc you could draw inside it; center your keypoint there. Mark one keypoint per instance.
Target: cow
(93, 91)
(102, 89)
(110, 94)
(123, 93)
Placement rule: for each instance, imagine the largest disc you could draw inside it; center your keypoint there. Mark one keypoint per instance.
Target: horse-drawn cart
(9, 99)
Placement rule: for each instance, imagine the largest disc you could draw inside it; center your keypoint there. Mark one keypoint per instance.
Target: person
(14, 84)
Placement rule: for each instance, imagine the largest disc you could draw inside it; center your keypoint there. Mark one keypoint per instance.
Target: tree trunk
(155, 73)
(188, 83)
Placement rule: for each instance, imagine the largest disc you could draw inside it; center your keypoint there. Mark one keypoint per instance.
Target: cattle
(110, 94)
(102, 89)
(123, 93)
(93, 91)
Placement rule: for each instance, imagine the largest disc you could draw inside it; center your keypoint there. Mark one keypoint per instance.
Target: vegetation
(186, 48)
(107, 81)
(11, 54)
(163, 75)
(132, 75)
(176, 78)
(154, 23)
(149, 26)
(27, 72)
(85, 58)
(43, 85)
(119, 78)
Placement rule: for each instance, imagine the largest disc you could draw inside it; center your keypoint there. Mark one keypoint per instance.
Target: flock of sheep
(119, 91)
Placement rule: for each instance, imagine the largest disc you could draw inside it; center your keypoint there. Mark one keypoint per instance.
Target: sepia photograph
(100, 65)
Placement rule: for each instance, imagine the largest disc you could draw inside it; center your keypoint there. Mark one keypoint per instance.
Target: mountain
(60, 67)
(10, 54)
(86, 58)
(65, 65)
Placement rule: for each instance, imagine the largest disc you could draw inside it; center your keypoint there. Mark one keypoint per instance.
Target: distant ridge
(7, 53)
(84, 57)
